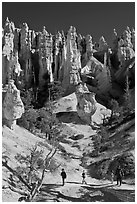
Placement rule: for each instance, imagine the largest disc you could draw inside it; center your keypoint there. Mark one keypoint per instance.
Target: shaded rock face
(102, 44)
(13, 107)
(58, 56)
(99, 75)
(86, 103)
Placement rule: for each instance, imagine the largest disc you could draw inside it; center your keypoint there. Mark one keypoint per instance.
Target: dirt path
(73, 191)
(76, 192)
(71, 159)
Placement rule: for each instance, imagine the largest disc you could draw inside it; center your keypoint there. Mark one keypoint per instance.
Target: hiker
(112, 176)
(119, 175)
(83, 177)
(64, 176)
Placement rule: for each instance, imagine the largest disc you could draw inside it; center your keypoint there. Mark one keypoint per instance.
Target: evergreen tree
(116, 111)
(128, 107)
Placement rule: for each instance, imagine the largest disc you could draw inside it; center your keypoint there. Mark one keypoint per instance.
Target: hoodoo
(33, 59)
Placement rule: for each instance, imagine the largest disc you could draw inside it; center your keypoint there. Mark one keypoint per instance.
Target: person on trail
(119, 175)
(64, 176)
(83, 177)
(112, 176)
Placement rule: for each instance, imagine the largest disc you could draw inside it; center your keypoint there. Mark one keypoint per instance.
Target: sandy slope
(20, 140)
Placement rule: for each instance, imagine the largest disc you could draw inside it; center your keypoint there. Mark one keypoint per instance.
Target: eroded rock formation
(7, 51)
(86, 103)
(98, 76)
(13, 107)
(25, 54)
(45, 55)
(32, 59)
(72, 64)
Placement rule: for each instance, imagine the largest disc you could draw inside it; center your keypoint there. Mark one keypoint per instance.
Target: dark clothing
(83, 178)
(63, 175)
(119, 180)
(119, 176)
(63, 181)
(83, 175)
(119, 172)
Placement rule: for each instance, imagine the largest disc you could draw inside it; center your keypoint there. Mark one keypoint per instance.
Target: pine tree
(127, 98)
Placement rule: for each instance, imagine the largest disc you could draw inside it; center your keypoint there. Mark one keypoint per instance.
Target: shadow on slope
(70, 117)
(50, 192)
(86, 194)
(110, 195)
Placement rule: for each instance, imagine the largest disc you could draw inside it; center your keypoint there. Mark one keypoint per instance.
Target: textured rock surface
(10, 60)
(125, 52)
(72, 63)
(57, 54)
(13, 107)
(102, 44)
(25, 54)
(45, 57)
(99, 74)
(7, 51)
(86, 103)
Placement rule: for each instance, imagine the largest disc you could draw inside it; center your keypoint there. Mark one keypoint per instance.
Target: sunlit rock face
(125, 48)
(11, 68)
(86, 103)
(13, 107)
(45, 56)
(7, 49)
(25, 54)
(72, 64)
